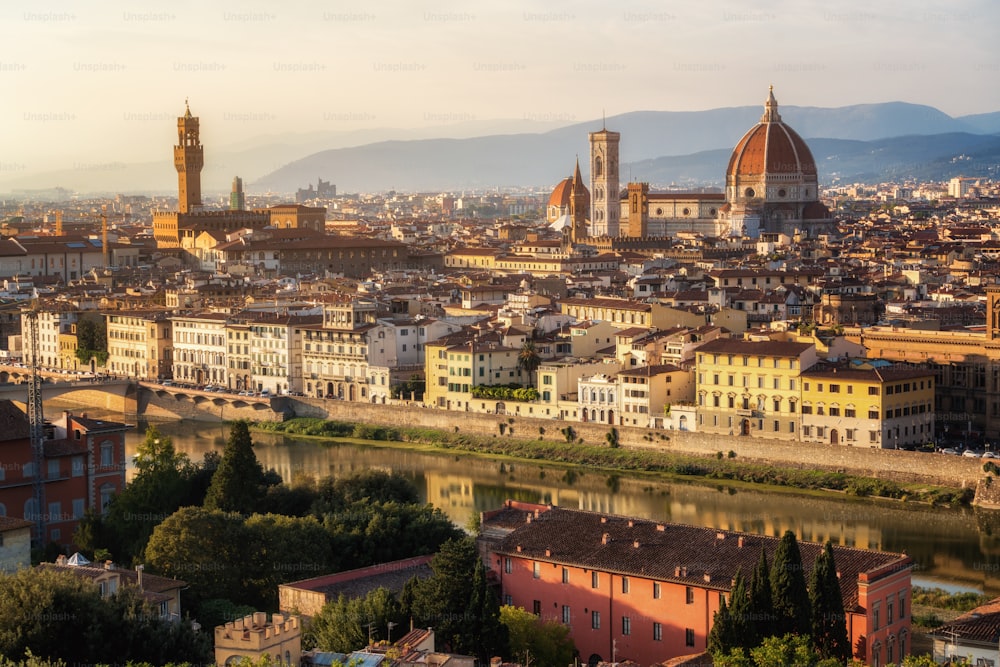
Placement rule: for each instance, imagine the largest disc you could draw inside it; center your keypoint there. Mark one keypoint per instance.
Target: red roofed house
(634, 589)
(83, 467)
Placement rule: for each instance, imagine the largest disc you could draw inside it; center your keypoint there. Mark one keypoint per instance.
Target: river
(956, 549)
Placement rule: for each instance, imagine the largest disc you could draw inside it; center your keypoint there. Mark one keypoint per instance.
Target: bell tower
(605, 208)
(189, 158)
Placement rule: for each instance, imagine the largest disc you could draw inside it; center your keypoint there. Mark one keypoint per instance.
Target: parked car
(971, 454)
(989, 455)
(949, 450)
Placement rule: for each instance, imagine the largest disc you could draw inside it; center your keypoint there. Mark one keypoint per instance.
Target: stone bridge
(160, 402)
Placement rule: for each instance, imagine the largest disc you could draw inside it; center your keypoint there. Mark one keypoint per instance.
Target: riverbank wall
(898, 466)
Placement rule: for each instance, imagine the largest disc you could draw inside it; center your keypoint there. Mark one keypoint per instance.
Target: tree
(761, 609)
(545, 642)
(91, 340)
(205, 548)
(239, 480)
(443, 601)
(829, 623)
(342, 624)
(57, 615)
(789, 650)
(489, 635)
(721, 638)
(789, 595)
(528, 360)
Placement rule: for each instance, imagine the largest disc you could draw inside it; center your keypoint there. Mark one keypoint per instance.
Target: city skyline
(92, 86)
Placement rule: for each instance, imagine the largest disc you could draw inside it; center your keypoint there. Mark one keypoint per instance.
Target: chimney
(677, 570)
(518, 548)
(684, 570)
(528, 518)
(631, 523)
(109, 565)
(61, 559)
(739, 542)
(138, 575)
(604, 519)
(708, 577)
(604, 538)
(660, 527)
(635, 544)
(548, 553)
(720, 535)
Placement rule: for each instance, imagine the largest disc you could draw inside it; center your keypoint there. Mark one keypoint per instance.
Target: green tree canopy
(57, 615)
(92, 340)
(789, 595)
(546, 642)
(239, 481)
(761, 609)
(528, 360)
(342, 624)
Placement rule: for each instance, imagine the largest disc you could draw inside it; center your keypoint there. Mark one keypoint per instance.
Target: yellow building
(873, 407)
(455, 364)
(751, 387)
(254, 637)
(624, 313)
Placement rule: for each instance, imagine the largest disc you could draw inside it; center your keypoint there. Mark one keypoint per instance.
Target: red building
(83, 467)
(634, 589)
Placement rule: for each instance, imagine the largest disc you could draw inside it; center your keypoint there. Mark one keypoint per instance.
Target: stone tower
(237, 200)
(638, 210)
(189, 158)
(605, 208)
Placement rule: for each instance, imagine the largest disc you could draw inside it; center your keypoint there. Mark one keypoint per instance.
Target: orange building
(634, 589)
(83, 467)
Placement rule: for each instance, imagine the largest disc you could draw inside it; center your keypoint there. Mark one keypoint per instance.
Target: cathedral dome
(770, 151)
(560, 200)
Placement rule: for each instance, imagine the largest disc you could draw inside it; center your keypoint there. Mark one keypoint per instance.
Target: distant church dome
(559, 200)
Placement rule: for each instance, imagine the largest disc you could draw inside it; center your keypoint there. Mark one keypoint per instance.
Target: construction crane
(36, 421)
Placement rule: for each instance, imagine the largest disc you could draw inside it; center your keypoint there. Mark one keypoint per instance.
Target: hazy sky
(103, 81)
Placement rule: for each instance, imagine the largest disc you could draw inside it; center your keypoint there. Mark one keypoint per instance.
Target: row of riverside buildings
(620, 370)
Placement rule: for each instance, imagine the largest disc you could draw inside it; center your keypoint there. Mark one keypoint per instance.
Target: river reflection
(958, 547)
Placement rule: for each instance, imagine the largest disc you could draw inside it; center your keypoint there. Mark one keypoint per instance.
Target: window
(565, 575)
(536, 607)
(508, 600)
(657, 632)
(656, 590)
(626, 625)
(689, 595)
(595, 620)
(873, 413)
(873, 391)
(876, 615)
(53, 466)
(594, 580)
(902, 604)
(834, 388)
(624, 584)
(55, 512)
(888, 610)
(107, 454)
(507, 566)
(77, 508)
(565, 615)
(536, 570)
(850, 413)
(689, 637)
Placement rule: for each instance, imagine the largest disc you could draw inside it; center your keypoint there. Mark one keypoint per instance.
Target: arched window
(598, 167)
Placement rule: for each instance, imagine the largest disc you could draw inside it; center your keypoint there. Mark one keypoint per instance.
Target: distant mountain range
(861, 143)
(869, 142)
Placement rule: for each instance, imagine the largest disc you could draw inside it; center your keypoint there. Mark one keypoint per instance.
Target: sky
(90, 84)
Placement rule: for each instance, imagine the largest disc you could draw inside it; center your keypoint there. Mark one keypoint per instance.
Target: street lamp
(389, 633)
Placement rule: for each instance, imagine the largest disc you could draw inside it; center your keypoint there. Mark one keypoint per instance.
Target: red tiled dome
(560, 197)
(771, 147)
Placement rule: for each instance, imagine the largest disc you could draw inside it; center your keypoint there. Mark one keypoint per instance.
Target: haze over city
(101, 83)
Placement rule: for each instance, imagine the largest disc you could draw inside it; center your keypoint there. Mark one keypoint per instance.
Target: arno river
(959, 548)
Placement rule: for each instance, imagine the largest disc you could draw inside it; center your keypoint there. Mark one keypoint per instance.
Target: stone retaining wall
(899, 466)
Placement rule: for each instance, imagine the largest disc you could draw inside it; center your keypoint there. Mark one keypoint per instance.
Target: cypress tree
(721, 637)
(789, 594)
(740, 617)
(761, 609)
(829, 623)
(237, 483)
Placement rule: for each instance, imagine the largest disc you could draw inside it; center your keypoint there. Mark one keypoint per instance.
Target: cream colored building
(140, 344)
(253, 637)
(199, 344)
